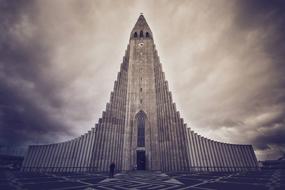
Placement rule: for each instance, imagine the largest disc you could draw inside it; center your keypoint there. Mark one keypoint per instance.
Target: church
(140, 127)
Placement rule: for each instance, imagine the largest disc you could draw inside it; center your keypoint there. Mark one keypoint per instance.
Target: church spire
(141, 29)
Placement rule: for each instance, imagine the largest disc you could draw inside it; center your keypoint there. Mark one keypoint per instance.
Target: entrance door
(141, 160)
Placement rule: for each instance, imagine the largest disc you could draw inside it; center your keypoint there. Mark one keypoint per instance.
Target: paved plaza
(266, 179)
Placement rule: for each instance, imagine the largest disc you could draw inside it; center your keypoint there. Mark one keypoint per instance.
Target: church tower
(140, 127)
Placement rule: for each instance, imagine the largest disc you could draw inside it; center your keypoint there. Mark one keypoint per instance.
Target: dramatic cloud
(58, 61)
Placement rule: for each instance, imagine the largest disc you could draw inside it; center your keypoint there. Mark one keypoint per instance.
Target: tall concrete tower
(141, 127)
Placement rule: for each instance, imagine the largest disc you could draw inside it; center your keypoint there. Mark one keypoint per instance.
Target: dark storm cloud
(269, 18)
(24, 91)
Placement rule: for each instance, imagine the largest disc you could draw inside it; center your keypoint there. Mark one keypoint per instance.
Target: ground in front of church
(265, 179)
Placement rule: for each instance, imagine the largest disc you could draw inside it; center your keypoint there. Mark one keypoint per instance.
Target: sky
(224, 61)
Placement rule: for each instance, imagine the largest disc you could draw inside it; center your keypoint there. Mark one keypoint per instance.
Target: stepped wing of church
(140, 128)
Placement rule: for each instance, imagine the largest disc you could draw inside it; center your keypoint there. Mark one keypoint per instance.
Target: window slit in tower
(147, 34)
(141, 34)
(135, 35)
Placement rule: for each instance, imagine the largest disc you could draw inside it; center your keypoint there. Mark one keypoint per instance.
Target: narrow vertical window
(147, 34)
(141, 34)
(141, 129)
(135, 35)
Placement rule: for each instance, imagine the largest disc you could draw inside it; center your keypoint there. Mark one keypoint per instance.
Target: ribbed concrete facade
(140, 128)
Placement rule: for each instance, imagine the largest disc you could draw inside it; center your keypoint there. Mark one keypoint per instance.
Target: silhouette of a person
(112, 169)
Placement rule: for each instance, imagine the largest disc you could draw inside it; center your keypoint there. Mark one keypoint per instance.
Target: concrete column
(113, 128)
(164, 137)
(121, 112)
(237, 156)
(182, 143)
(229, 158)
(47, 157)
(80, 159)
(202, 153)
(94, 149)
(174, 124)
(54, 158)
(114, 124)
(68, 156)
(84, 155)
(210, 157)
(206, 155)
(190, 151)
(198, 151)
(107, 139)
(218, 156)
(225, 157)
(168, 149)
(243, 161)
(83, 152)
(246, 160)
(194, 151)
(106, 152)
(98, 145)
(71, 156)
(214, 156)
(185, 145)
(92, 144)
(63, 157)
(88, 149)
(104, 142)
(76, 155)
(173, 144)
(233, 157)
(43, 149)
(171, 148)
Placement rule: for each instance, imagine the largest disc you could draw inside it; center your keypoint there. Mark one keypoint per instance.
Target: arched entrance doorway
(141, 157)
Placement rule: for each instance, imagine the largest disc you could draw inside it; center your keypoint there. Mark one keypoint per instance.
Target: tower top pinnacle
(141, 23)
(141, 26)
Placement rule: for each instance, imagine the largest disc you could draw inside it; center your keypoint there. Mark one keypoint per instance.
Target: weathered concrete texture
(168, 145)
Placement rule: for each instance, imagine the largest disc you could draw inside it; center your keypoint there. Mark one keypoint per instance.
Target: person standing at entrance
(112, 169)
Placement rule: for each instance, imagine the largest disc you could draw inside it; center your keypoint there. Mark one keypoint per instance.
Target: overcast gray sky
(224, 61)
